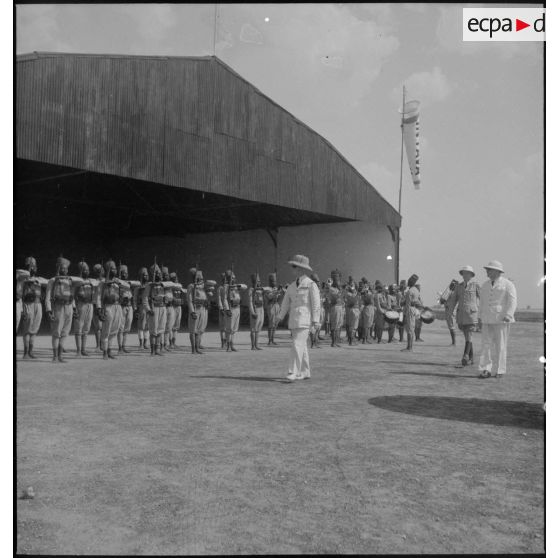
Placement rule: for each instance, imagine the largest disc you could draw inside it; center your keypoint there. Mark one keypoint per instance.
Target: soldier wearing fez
(32, 310)
(273, 297)
(256, 308)
(221, 307)
(154, 304)
(197, 298)
(125, 299)
(139, 309)
(367, 312)
(169, 308)
(109, 311)
(400, 298)
(60, 307)
(392, 303)
(83, 295)
(352, 310)
(315, 334)
(231, 305)
(336, 302)
(177, 302)
(98, 274)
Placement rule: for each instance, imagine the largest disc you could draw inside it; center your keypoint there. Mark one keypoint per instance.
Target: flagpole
(214, 28)
(400, 187)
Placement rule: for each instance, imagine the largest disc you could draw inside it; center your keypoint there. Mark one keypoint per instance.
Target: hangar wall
(356, 248)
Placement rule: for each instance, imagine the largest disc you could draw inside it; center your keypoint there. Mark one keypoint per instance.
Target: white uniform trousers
(494, 347)
(299, 362)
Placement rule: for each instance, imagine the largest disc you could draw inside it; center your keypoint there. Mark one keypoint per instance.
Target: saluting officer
(256, 308)
(273, 297)
(125, 300)
(60, 307)
(178, 299)
(109, 310)
(83, 295)
(32, 310)
(411, 309)
(139, 309)
(154, 304)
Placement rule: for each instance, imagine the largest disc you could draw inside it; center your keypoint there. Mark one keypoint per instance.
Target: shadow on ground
(252, 378)
(484, 411)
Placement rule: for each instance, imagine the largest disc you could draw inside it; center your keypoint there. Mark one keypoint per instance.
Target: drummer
(394, 309)
(411, 309)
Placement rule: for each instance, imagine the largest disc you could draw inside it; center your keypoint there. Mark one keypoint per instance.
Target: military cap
(82, 265)
(122, 267)
(412, 280)
(198, 274)
(97, 268)
(192, 271)
(30, 260)
(142, 270)
(109, 264)
(60, 262)
(155, 269)
(336, 272)
(173, 276)
(255, 276)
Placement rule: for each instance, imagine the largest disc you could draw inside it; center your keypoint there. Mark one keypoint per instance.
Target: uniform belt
(234, 304)
(126, 303)
(158, 304)
(258, 304)
(85, 301)
(177, 303)
(64, 302)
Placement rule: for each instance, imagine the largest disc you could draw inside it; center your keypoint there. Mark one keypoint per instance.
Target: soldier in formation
(178, 300)
(109, 311)
(336, 305)
(154, 304)
(140, 311)
(256, 309)
(197, 297)
(83, 296)
(273, 298)
(98, 274)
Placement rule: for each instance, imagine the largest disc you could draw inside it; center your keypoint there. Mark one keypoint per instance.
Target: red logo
(519, 25)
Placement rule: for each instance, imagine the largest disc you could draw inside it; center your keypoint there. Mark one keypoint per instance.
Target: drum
(391, 316)
(427, 316)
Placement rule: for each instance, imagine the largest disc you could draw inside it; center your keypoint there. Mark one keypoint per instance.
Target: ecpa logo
(503, 24)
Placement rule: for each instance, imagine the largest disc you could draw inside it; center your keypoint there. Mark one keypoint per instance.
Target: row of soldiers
(107, 300)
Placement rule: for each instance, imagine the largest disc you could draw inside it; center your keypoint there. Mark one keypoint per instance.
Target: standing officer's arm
(251, 301)
(315, 303)
(511, 301)
(285, 305)
(190, 300)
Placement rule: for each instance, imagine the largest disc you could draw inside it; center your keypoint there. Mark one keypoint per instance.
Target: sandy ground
(380, 452)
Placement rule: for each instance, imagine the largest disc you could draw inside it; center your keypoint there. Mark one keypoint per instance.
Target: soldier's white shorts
(63, 315)
(256, 323)
(33, 317)
(127, 319)
(82, 324)
(336, 315)
(177, 318)
(19, 310)
(199, 324)
(111, 325)
(232, 322)
(157, 320)
(367, 314)
(273, 315)
(353, 315)
(171, 315)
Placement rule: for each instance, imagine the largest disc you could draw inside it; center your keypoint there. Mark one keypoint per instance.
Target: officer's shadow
(249, 378)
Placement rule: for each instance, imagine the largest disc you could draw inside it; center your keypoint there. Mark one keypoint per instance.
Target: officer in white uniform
(498, 301)
(302, 303)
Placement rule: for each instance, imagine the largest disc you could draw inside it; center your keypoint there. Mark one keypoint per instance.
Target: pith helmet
(467, 268)
(62, 262)
(300, 261)
(494, 264)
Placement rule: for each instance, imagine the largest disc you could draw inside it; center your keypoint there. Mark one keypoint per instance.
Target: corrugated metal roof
(189, 122)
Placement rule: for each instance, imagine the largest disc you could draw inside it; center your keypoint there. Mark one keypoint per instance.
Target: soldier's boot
(78, 345)
(60, 351)
(401, 333)
(273, 337)
(83, 343)
(193, 343)
(390, 335)
(470, 352)
(109, 354)
(140, 338)
(452, 333)
(333, 338)
(124, 339)
(98, 341)
(228, 343)
(119, 341)
(269, 336)
(145, 342)
(198, 344)
(166, 342)
(26, 348)
(465, 359)
(159, 345)
(257, 341)
(317, 340)
(379, 333)
(30, 353)
(338, 338)
(349, 336)
(233, 349)
(253, 347)
(152, 344)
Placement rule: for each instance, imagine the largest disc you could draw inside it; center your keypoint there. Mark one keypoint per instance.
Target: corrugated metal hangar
(132, 157)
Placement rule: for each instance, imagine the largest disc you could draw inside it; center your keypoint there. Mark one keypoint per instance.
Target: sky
(340, 69)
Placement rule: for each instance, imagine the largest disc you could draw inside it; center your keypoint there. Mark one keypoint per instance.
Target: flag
(411, 139)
